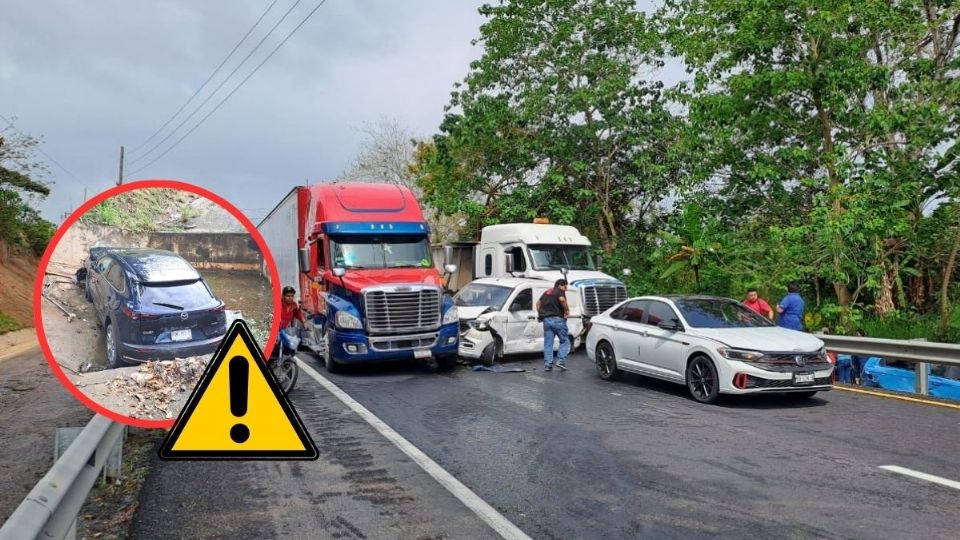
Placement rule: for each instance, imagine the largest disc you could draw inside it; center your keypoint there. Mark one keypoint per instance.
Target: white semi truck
(548, 252)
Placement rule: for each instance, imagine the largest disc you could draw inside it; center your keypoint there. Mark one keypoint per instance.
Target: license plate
(421, 353)
(181, 335)
(802, 378)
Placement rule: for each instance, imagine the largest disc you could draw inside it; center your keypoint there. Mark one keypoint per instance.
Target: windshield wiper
(174, 306)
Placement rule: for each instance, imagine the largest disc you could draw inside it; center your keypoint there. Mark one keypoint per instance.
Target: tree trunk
(947, 278)
(883, 305)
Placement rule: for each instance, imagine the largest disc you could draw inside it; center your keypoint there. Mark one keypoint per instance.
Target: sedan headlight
(824, 357)
(346, 320)
(451, 316)
(482, 326)
(740, 354)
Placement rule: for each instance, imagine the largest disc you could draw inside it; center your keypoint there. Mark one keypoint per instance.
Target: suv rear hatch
(179, 312)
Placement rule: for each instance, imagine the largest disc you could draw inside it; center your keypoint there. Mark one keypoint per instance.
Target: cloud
(91, 79)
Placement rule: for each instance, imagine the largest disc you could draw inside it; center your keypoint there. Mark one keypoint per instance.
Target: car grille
(787, 362)
(408, 310)
(599, 298)
(757, 382)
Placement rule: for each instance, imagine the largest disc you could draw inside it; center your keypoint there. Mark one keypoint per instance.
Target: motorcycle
(284, 366)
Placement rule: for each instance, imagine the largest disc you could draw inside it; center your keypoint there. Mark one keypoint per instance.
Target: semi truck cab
(548, 252)
(365, 273)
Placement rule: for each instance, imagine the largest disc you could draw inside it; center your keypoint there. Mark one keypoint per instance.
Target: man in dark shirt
(553, 310)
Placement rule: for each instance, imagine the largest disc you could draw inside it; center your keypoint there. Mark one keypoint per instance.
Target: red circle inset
(140, 184)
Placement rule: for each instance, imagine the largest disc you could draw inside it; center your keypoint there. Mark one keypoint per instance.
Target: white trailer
(279, 231)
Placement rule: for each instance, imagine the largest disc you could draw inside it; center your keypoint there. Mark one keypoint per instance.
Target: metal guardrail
(920, 351)
(50, 509)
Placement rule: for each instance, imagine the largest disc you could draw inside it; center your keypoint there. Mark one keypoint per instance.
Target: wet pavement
(567, 455)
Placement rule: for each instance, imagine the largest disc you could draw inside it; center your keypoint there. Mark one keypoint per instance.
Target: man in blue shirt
(791, 309)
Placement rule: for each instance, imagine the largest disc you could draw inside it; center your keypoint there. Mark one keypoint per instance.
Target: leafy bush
(8, 325)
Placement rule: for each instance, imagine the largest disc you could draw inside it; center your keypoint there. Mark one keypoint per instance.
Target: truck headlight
(740, 354)
(346, 320)
(451, 316)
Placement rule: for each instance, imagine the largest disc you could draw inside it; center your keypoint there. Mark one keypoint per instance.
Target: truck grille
(599, 298)
(402, 309)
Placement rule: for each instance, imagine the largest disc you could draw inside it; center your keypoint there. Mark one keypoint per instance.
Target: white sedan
(712, 345)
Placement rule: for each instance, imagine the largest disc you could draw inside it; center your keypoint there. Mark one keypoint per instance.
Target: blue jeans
(555, 326)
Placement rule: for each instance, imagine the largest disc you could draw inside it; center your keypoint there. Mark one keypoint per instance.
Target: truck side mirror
(509, 262)
(448, 256)
(339, 271)
(449, 268)
(303, 256)
(564, 270)
(599, 262)
(627, 272)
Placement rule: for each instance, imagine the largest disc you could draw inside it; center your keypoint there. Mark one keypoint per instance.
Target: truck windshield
(557, 256)
(353, 252)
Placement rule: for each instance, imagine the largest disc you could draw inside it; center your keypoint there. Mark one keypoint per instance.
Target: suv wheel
(113, 353)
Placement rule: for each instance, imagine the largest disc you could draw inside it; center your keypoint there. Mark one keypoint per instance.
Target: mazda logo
(184, 315)
(800, 360)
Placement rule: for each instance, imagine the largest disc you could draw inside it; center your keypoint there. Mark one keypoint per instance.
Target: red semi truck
(359, 256)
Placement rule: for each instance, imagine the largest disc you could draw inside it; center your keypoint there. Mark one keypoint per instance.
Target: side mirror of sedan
(673, 325)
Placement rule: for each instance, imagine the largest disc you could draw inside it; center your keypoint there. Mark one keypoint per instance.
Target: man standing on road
(755, 303)
(553, 311)
(791, 309)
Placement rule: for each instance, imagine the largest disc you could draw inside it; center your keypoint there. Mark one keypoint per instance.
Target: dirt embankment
(17, 273)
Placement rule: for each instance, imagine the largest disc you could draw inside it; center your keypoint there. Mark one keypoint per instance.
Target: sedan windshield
(476, 294)
(380, 252)
(719, 313)
(557, 256)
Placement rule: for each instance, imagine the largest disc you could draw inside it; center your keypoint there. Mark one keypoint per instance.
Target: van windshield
(355, 252)
(557, 256)
(476, 294)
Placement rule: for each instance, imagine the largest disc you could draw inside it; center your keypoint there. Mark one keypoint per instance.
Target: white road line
(922, 476)
(484, 511)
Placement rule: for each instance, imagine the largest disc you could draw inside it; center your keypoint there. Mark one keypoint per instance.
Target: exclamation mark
(239, 378)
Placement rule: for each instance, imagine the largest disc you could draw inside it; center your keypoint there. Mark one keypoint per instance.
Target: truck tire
(332, 365)
(446, 363)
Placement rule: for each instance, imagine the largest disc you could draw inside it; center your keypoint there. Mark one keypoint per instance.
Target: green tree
(20, 223)
(831, 118)
(558, 117)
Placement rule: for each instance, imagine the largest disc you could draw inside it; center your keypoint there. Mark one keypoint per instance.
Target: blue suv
(152, 304)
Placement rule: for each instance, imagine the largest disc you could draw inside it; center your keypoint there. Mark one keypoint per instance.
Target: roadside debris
(499, 369)
(153, 390)
(70, 315)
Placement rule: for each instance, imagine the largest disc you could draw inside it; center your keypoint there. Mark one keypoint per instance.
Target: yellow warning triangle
(237, 410)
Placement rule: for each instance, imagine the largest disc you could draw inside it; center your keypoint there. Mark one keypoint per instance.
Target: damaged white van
(498, 317)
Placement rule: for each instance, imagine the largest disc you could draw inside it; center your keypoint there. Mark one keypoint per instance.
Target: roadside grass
(143, 210)
(7, 324)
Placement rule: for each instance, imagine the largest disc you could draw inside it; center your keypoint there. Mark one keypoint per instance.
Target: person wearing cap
(553, 311)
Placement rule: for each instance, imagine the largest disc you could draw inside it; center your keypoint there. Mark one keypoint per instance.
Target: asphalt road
(566, 455)
(33, 404)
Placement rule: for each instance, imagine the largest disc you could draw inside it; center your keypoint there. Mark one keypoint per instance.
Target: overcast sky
(89, 76)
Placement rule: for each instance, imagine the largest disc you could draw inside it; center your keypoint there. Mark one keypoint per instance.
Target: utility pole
(120, 178)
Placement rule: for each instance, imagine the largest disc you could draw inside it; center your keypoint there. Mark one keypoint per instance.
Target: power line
(264, 61)
(212, 75)
(217, 89)
(48, 156)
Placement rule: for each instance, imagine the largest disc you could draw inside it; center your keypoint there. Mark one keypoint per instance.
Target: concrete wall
(217, 251)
